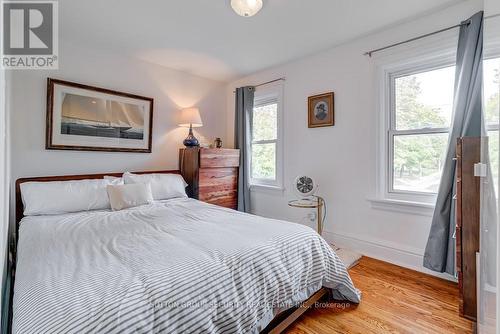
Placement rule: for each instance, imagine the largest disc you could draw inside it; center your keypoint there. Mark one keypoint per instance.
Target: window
(416, 105)
(420, 118)
(491, 103)
(266, 137)
(416, 102)
(420, 113)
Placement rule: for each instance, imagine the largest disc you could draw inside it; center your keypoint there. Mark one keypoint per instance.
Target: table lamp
(190, 118)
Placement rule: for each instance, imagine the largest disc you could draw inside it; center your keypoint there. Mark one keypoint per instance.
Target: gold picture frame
(321, 110)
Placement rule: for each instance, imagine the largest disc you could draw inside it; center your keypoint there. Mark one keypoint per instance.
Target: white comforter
(179, 266)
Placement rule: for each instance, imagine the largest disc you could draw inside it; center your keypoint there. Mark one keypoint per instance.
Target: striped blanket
(177, 266)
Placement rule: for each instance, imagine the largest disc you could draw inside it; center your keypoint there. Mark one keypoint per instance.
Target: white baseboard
(383, 250)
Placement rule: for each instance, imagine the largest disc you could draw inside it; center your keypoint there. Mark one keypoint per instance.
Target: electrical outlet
(312, 216)
(480, 170)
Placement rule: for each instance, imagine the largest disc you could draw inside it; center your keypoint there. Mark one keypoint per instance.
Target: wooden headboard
(19, 202)
(20, 209)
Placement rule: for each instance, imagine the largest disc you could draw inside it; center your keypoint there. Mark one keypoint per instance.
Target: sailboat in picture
(87, 116)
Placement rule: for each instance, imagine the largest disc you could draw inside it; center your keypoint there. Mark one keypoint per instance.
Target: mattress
(177, 266)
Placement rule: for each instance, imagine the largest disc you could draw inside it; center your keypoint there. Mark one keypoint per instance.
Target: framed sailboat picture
(86, 118)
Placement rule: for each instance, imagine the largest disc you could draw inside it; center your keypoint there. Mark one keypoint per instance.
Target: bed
(173, 266)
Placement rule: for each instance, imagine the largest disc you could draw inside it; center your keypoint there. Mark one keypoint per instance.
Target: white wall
(170, 89)
(491, 7)
(342, 158)
(4, 186)
(488, 296)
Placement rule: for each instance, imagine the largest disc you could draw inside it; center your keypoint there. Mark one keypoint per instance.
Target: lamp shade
(246, 8)
(190, 117)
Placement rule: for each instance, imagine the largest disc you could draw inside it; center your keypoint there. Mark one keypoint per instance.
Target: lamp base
(191, 140)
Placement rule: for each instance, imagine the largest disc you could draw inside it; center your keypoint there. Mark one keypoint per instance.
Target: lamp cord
(324, 214)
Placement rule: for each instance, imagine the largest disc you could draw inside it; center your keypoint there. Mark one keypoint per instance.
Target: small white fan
(305, 186)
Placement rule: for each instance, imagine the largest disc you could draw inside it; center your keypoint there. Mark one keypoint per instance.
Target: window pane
(264, 161)
(418, 161)
(491, 90)
(265, 122)
(425, 100)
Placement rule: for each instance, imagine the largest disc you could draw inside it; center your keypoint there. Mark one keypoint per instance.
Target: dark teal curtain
(467, 122)
(242, 137)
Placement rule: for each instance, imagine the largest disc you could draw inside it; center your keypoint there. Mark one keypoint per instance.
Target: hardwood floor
(394, 300)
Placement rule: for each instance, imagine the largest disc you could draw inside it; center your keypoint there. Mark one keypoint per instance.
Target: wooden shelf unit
(467, 223)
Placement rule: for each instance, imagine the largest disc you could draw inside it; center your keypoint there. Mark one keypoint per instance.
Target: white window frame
(491, 54)
(386, 197)
(393, 132)
(264, 95)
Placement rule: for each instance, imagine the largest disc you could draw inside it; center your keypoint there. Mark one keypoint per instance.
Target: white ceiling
(206, 38)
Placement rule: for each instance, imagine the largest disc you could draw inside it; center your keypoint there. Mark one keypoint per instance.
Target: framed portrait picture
(86, 118)
(321, 110)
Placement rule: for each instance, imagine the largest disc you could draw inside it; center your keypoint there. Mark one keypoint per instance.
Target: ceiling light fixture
(246, 8)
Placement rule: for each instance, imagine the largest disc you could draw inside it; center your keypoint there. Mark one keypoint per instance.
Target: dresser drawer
(219, 186)
(213, 157)
(227, 199)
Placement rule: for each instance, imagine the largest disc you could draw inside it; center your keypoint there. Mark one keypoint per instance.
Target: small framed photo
(87, 118)
(321, 110)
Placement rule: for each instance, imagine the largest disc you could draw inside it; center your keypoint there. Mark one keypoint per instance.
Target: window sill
(415, 208)
(266, 188)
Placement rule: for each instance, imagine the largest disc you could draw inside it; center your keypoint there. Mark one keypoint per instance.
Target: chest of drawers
(211, 174)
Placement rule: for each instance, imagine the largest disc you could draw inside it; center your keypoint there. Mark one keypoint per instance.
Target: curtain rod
(268, 82)
(369, 53)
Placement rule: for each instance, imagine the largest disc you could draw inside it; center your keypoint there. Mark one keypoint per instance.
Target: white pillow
(163, 186)
(58, 197)
(129, 195)
(117, 180)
